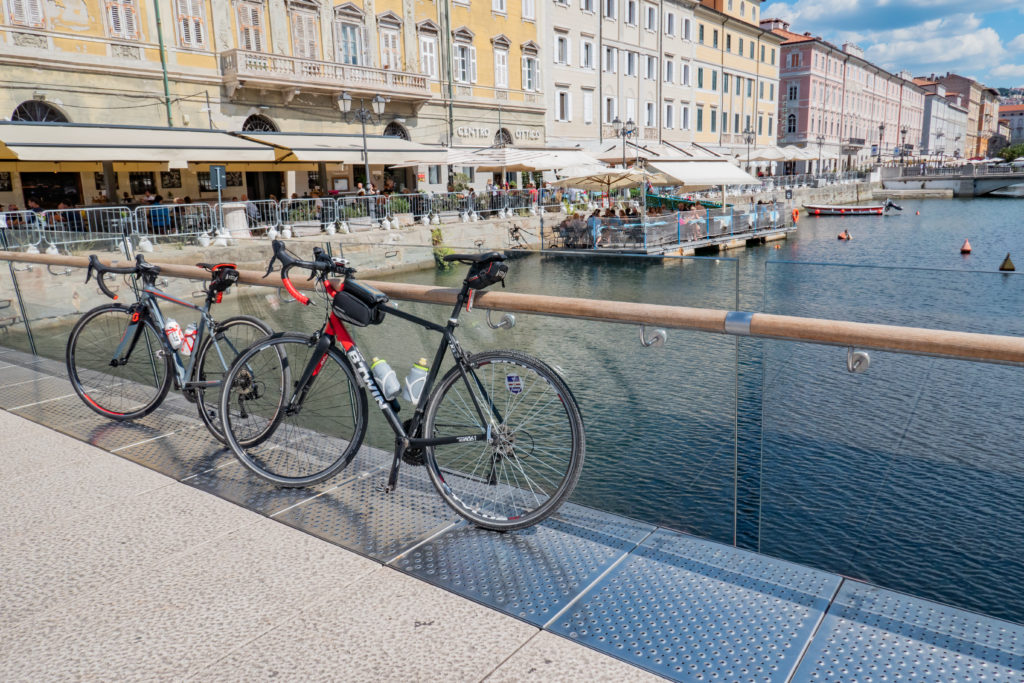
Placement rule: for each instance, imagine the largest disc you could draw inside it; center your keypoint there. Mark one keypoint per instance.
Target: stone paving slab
(547, 657)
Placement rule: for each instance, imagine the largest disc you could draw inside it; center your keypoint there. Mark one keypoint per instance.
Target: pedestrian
(159, 216)
(148, 197)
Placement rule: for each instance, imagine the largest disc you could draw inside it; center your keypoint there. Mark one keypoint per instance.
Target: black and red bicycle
(500, 433)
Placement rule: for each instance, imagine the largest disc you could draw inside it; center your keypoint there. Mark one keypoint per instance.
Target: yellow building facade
(736, 64)
(453, 73)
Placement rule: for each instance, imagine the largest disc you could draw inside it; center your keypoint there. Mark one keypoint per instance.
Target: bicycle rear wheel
(120, 391)
(302, 445)
(535, 455)
(218, 351)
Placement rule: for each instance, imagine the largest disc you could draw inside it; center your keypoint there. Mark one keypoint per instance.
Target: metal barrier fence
(187, 220)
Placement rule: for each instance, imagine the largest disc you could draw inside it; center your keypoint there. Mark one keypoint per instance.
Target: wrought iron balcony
(291, 74)
(856, 142)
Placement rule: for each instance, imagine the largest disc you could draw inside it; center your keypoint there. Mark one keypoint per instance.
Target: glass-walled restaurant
(89, 165)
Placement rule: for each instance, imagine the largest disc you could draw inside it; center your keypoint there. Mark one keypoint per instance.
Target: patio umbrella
(767, 154)
(604, 180)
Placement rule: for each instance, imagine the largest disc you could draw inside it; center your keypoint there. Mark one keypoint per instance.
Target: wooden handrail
(915, 340)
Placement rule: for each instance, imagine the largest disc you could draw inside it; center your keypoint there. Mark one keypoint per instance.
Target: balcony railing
(502, 95)
(264, 69)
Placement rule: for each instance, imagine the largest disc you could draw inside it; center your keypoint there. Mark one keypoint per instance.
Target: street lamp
(748, 137)
(941, 148)
(821, 141)
(364, 115)
(903, 150)
(624, 130)
(881, 136)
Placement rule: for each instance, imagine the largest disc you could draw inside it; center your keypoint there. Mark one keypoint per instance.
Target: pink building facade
(834, 101)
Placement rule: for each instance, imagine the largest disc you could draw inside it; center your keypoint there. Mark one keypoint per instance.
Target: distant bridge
(967, 181)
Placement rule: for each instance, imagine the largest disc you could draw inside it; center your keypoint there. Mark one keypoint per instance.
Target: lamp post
(941, 148)
(881, 136)
(748, 137)
(624, 130)
(364, 115)
(821, 141)
(903, 150)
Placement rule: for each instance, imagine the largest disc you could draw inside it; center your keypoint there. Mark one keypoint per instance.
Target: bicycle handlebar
(322, 264)
(140, 267)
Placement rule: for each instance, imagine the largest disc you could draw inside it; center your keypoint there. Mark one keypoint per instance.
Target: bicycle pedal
(382, 487)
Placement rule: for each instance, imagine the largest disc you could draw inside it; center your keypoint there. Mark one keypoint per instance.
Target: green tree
(1014, 152)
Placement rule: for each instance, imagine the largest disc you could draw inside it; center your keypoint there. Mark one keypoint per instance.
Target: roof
(1010, 108)
(789, 37)
(925, 81)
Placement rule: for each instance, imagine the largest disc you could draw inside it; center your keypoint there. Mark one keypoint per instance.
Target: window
(434, 175)
(700, 33)
(773, 56)
(751, 49)
(191, 23)
(686, 29)
(652, 18)
(561, 48)
(531, 75)
(563, 101)
(700, 77)
(670, 24)
(685, 69)
(725, 83)
(630, 59)
(348, 37)
(587, 5)
(305, 33)
(740, 51)
(498, 6)
(588, 106)
(714, 38)
(465, 63)
(794, 60)
(760, 125)
(652, 68)
(669, 69)
(587, 54)
(684, 122)
(771, 92)
(122, 19)
(730, 5)
(750, 87)
(761, 88)
(762, 53)
(714, 121)
(700, 119)
(669, 115)
(649, 114)
(390, 55)
(141, 181)
(611, 106)
(428, 56)
(631, 12)
(631, 109)
(611, 8)
(739, 85)
(529, 9)
(610, 59)
(736, 123)
(26, 12)
(714, 80)
(725, 122)
(500, 67)
(728, 42)
(791, 123)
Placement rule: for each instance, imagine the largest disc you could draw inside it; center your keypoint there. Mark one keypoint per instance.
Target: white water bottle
(173, 331)
(412, 387)
(386, 378)
(188, 340)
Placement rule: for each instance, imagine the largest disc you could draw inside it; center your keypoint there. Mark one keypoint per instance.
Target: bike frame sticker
(514, 383)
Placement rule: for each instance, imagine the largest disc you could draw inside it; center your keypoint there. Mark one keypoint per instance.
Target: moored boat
(850, 210)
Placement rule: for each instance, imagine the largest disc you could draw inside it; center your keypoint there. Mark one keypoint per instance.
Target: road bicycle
(500, 434)
(122, 364)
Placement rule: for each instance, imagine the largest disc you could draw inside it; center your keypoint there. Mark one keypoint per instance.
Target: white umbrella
(604, 181)
(767, 154)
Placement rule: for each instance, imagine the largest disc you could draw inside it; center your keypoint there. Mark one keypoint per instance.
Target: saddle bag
(485, 275)
(224, 276)
(360, 304)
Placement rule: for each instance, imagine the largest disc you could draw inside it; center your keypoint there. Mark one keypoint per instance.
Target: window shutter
(298, 35)
(32, 11)
(130, 24)
(526, 78)
(19, 11)
(198, 30)
(588, 107)
(185, 21)
(568, 106)
(116, 23)
(472, 64)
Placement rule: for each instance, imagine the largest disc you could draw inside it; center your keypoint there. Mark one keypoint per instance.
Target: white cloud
(906, 47)
(1017, 44)
(1009, 71)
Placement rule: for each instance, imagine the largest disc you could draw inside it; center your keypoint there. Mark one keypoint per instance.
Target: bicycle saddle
(214, 266)
(488, 257)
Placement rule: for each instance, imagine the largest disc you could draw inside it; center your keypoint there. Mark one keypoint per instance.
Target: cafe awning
(703, 173)
(85, 143)
(344, 149)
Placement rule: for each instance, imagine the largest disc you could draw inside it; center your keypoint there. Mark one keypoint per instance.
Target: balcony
(525, 99)
(856, 142)
(241, 68)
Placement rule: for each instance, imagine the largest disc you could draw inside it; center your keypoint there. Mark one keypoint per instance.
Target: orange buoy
(796, 215)
(966, 248)
(918, 213)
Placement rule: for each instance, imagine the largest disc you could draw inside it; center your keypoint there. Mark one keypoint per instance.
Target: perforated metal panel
(359, 516)
(27, 393)
(872, 634)
(68, 415)
(113, 435)
(531, 573)
(235, 483)
(695, 610)
(181, 454)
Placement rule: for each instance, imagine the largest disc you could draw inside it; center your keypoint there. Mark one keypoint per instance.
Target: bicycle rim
(121, 392)
(534, 458)
(300, 447)
(214, 360)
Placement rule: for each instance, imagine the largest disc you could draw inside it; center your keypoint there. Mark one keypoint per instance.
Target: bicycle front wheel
(535, 455)
(124, 388)
(290, 442)
(218, 351)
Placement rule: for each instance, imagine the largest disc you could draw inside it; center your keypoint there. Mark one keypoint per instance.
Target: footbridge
(966, 181)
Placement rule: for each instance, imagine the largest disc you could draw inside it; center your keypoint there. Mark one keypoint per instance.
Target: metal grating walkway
(678, 606)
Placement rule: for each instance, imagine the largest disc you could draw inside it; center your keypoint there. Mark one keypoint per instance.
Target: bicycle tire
(220, 356)
(125, 392)
(308, 446)
(499, 485)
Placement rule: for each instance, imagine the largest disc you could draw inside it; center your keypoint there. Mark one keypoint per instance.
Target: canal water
(908, 475)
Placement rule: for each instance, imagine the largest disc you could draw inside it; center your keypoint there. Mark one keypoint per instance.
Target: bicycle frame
(335, 330)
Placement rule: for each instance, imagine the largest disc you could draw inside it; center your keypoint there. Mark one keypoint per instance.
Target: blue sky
(983, 39)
